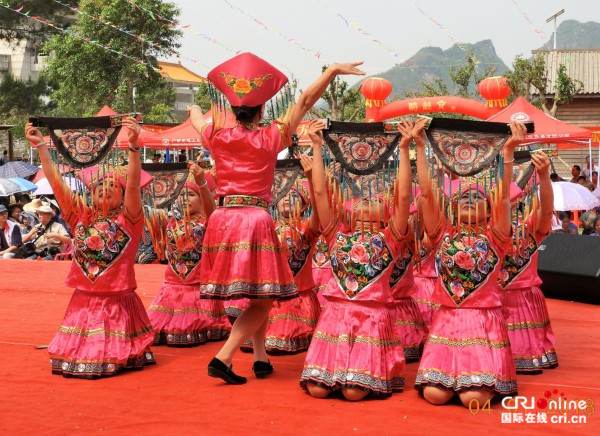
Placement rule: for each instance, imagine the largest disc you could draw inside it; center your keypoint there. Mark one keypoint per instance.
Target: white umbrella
(597, 192)
(44, 187)
(573, 196)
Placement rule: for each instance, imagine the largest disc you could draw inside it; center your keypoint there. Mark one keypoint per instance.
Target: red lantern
(495, 90)
(375, 90)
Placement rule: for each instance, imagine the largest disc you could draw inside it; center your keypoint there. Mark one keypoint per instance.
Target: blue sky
(328, 27)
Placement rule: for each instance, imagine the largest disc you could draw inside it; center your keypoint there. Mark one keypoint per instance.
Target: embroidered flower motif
(184, 253)
(242, 86)
(400, 266)
(359, 254)
(298, 249)
(464, 263)
(355, 261)
(94, 243)
(518, 257)
(96, 247)
(464, 260)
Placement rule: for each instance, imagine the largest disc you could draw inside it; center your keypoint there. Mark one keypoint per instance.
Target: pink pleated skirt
(102, 334)
(355, 346)
(424, 298)
(291, 325)
(468, 349)
(531, 337)
(409, 327)
(242, 257)
(180, 318)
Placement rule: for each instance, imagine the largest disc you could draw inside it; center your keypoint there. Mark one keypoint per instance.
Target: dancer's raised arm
(428, 200)
(313, 93)
(322, 206)
(403, 181)
(503, 223)
(133, 194)
(541, 162)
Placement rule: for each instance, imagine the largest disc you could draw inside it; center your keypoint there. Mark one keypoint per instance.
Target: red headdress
(247, 80)
(94, 174)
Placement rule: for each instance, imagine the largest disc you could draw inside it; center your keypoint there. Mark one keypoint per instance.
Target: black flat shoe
(262, 369)
(218, 369)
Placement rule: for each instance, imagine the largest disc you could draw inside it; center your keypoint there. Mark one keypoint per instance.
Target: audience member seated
(595, 179)
(566, 225)
(49, 236)
(10, 235)
(556, 178)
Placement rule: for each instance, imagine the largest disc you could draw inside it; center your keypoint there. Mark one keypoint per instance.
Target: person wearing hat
(243, 257)
(32, 205)
(178, 316)
(49, 236)
(467, 352)
(10, 235)
(105, 328)
(523, 303)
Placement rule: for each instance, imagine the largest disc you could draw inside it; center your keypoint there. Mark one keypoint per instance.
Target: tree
(15, 27)
(344, 103)
(528, 77)
(19, 99)
(202, 97)
(91, 76)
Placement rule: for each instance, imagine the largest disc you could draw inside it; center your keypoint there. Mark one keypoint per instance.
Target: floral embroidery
(242, 86)
(296, 246)
(518, 257)
(185, 255)
(243, 200)
(464, 263)
(98, 246)
(358, 259)
(401, 264)
(321, 254)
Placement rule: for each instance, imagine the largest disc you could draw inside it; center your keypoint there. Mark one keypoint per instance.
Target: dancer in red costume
(105, 328)
(524, 306)
(355, 348)
(178, 316)
(242, 256)
(468, 351)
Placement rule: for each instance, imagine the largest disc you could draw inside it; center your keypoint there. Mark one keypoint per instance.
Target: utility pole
(554, 17)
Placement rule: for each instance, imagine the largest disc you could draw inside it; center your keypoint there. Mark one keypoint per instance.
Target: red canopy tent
(547, 129)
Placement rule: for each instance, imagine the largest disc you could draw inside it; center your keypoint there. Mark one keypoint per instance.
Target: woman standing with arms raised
(242, 256)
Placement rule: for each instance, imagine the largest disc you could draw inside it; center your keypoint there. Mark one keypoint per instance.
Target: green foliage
(344, 102)
(19, 99)
(90, 76)
(528, 77)
(15, 27)
(202, 97)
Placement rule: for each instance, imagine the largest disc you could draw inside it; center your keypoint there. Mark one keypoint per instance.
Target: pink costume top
(245, 159)
(519, 270)
(300, 247)
(103, 252)
(362, 263)
(184, 254)
(469, 268)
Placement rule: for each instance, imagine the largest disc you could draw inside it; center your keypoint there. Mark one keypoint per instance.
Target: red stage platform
(177, 396)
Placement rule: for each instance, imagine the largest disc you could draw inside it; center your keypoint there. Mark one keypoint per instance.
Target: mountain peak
(574, 34)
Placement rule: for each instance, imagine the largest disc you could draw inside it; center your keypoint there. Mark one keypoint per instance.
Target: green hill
(573, 34)
(430, 62)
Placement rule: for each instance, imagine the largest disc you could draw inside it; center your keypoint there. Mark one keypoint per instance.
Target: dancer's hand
(541, 162)
(33, 135)
(350, 68)
(191, 107)
(307, 164)
(418, 131)
(518, 132)
(196, 170)
(315, 131)
(405, 128)
(133, 129)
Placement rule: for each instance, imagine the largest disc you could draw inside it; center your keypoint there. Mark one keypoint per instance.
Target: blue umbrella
(18, 169)
(167, 156)
(8, 188)
(25, 185)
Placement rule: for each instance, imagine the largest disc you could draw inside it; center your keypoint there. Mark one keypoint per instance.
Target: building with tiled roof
(184, 81)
